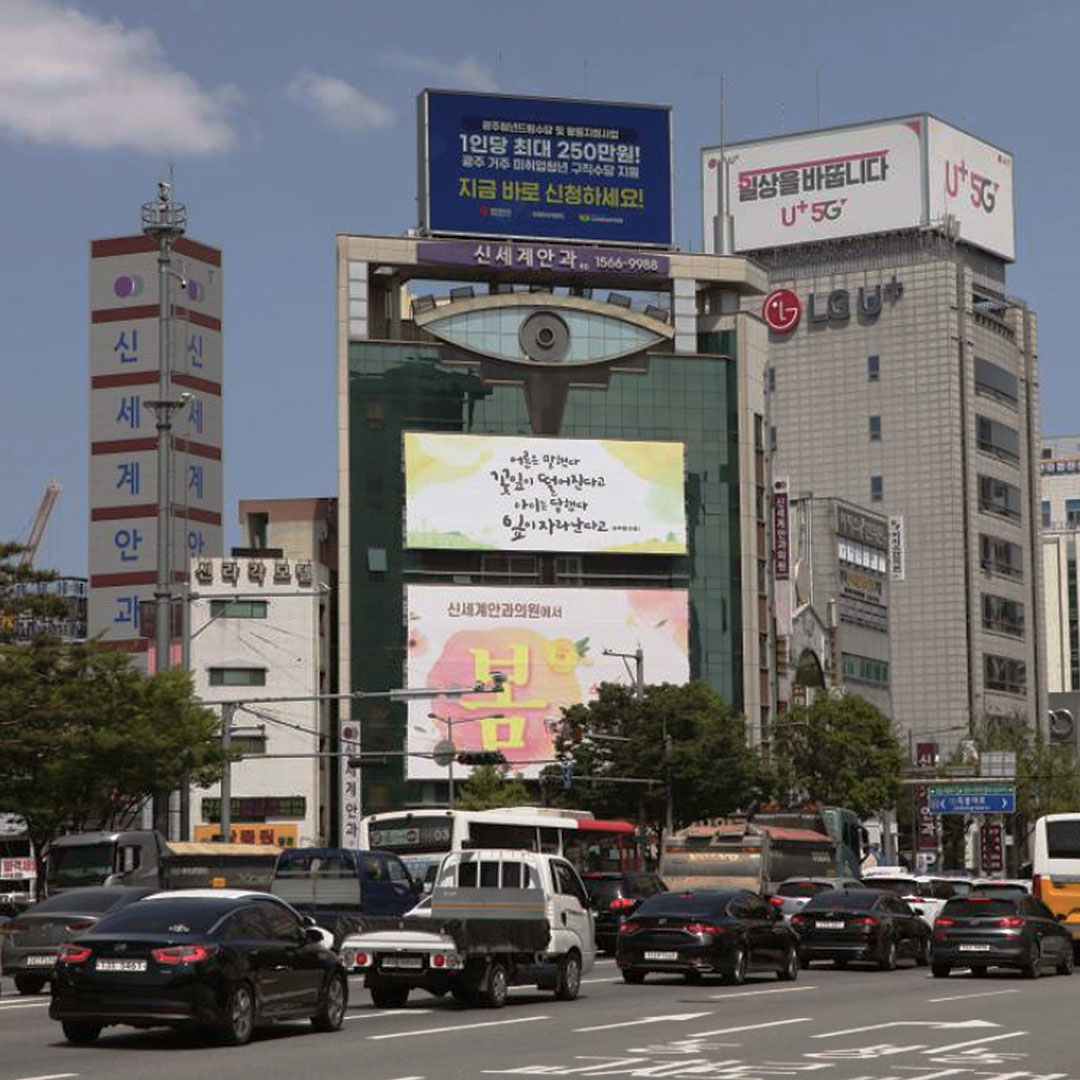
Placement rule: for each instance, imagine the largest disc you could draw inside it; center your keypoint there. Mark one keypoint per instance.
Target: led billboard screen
(549, 644)
(492, 165)
(505, 493)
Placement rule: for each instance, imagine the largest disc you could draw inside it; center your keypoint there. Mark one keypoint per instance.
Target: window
(1044, 509)
(996, 382)
(238, 609)
(1047, 453)
(1001, 557)
(249, 744)
(877, 488)
(865, 669)
(997, 439)
(772, 436)
(237, 676)
(1002, 615)
(1004, 674)
(568, 883)
(396, 871)
(873, 368)
(1072, 511)
(875, 429)
(759, 431)
(770, 379)
(1000, 498)
(280, 925)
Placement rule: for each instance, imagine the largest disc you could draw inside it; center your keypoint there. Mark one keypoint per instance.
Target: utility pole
(164, 221)
(227, 712)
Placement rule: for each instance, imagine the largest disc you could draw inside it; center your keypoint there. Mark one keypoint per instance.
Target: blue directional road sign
(972, 798)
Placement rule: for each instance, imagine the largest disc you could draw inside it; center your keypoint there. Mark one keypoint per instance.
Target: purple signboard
(563, 259)
(781, 535)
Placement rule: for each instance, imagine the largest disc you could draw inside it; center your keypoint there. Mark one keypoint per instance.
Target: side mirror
(417, 887)
(1061, 916)
(312, 935)
(307, 920)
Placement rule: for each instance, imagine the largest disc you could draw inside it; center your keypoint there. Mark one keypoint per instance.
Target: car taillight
(438, 960)
(73, 954)
(1011, 920)
(175, 955)
(621, 903)
(800, 919)
(629, 928)
(776, 901)
(863, 920)
(13, 928)
(704, 928)
(78, 927)
(944, 920)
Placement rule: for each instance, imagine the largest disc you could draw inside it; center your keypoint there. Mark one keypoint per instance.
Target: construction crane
(41, 519)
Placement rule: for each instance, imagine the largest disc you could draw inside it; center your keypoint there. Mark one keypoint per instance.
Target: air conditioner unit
(230, 570)
(204, 572)
(304, 573)
(256, 571)
(282, 573)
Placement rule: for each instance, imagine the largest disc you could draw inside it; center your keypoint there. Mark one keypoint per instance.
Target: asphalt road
(829, 1025)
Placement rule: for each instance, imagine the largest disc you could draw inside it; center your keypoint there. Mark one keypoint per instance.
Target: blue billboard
(545, 168)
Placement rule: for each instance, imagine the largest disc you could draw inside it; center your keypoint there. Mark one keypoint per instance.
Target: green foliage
(713, 771)
(841, 752)
(85, 738)
(14, 599)
(487, 789)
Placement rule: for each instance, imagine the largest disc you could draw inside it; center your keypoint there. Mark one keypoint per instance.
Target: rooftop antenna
(723, 225)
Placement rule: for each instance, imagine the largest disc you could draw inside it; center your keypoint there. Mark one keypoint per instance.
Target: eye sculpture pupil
(545, 337)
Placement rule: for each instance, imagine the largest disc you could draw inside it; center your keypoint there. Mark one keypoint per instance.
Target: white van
(1055, 868)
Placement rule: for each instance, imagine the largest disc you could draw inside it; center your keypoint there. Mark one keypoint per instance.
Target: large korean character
(767, 185)
(129, 411)
(195, 350)
(195, 415)
(129, 476)
(545, 257)
(482, 255)
(195, 480)
(126, 348)
(196, 542)
(523, 255)
(127, 542)
(877, 169)
(127, 611)
(747, 187)
(514, 665)
(789, 181)
(568, 258)
(572, 194)
(813, 178)
(834, 175)
(555, 194)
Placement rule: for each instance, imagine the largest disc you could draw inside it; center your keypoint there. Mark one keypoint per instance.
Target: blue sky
(288, 123)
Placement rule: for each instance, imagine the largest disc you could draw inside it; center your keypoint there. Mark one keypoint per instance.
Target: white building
(1059, 493)
(261, 628)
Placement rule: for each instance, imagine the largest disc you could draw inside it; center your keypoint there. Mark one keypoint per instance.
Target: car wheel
(80, 1031)
(30, 984)
(887, 962)
(1068, 961)
(568, 985)
(498, 983)
(941, 971)
(789, 972)
(238, 1021)
(734, 972)
(1032, 968)
(633, 977)
(335, 997)
(386, 995)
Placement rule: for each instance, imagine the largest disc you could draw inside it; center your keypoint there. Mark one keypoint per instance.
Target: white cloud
(466, 74)
(338, 103)
(67, 79)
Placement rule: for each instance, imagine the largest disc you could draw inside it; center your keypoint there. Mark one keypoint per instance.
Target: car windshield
(998, 890)
(838, 900)
(603, 887)
(803, 888)
(979, 908)
(81, 901)
(81, 864)
(682, 905)
(173, 917)
(900, 886)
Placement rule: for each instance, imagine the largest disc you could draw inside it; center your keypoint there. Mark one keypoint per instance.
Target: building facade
(1059, 506)
(903, 377)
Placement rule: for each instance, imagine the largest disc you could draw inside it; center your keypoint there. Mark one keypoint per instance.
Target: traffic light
(481, 757)
(367, 761)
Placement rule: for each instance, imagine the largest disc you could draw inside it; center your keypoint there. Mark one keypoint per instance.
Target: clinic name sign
(494, 165)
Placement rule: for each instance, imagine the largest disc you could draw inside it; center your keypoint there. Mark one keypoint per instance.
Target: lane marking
(23, 1005)
(751, 1027)
(962, 997)
(909, 1023)
(51, 1076)
(609, 980)
(975, 1042)
(388, 1012)
(459, 1027)
(646, 1020)
(754, 993)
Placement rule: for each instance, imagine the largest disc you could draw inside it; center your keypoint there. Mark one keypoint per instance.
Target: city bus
(1055, 868)
(422, 837)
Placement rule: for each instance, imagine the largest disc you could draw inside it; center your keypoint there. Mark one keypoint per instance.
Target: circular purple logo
(195, 291)
(127, 285)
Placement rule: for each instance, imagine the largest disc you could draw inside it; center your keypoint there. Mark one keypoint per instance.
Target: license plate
(411, 962)
(41, 961)
(974, 948)
(661, 956)
(120, 965)
(829, 925)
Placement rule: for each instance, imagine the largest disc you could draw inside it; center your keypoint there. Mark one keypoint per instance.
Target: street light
(451, 750)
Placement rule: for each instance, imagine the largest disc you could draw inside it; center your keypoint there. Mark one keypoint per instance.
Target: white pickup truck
(498, 918)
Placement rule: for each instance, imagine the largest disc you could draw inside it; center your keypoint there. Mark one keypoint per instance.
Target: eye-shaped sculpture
(561, 330)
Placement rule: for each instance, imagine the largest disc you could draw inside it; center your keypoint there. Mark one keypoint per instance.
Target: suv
(615, 896)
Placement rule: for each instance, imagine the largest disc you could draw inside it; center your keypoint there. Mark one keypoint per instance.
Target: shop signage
(781, 311)
(781, 534)
(561, 258)
(836, 305)
(866, 530)
(992, 836)
(896, 548)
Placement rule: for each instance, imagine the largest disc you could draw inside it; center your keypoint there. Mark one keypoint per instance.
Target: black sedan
(861, 924)
(980, 932)
(615, 897)
(725, 932)
(31, 941)
(225, 963)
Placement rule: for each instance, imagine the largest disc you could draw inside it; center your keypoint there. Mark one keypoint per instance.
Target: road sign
(445, 751)
(972, 798)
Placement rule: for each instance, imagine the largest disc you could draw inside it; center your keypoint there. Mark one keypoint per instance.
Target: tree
(488, 788)
(85, 738)
(841, 752)
(19, 594)
(713, 771)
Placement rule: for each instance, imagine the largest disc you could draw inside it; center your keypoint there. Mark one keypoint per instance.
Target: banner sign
(927, 827)
(992, 842)
(493, 165)
(501, 493)
(896, 548)
(781, 534)
(18, 869)
(548, 643)
(564, 258)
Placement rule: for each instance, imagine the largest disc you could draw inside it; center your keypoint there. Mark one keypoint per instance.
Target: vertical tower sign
(124, 349)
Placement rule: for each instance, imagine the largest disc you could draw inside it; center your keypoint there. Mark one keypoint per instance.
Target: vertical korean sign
(992, 847)
(896, 548)
(548, 643)
(552, 168)
(926, 824)
(351, 804)
(781, 535)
